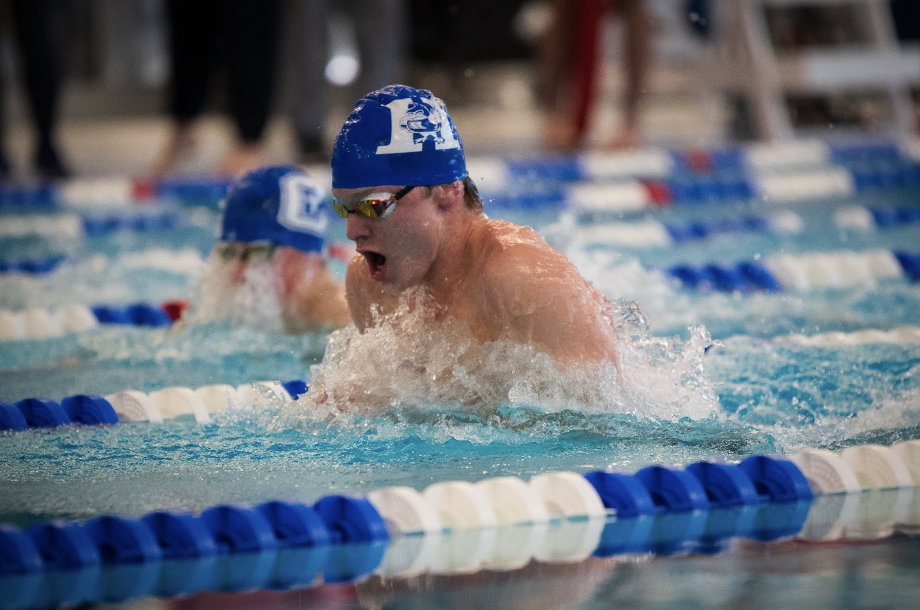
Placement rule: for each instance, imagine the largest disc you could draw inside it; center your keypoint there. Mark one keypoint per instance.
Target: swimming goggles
(374, 206)
(245, 252)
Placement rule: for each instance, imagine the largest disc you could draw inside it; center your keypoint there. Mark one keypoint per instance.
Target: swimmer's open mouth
(374, 260)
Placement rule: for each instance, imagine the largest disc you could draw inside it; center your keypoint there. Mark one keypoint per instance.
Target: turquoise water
(726, 381)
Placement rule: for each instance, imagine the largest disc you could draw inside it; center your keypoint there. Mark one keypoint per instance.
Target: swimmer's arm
(542, 300)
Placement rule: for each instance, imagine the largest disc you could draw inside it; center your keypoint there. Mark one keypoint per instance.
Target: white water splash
(252, 303)
(410, 360)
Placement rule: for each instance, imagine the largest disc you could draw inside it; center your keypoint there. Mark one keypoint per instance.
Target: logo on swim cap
(280, 204)
(397, 136)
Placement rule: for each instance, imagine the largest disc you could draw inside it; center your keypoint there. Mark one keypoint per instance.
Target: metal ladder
(748, 63)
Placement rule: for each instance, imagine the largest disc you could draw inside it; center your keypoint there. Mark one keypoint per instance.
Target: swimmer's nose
(358, 227)
(239, 270)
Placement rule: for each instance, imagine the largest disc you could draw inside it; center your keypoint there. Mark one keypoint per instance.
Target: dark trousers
(238, 35)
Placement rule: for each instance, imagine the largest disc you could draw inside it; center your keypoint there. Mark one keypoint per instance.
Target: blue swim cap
(397, 136)
(280, 204)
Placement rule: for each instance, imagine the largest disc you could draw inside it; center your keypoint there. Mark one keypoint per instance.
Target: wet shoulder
(515, 258)
(500, 238)
(505, 244)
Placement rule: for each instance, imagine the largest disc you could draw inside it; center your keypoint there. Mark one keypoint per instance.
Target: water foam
(252, 302)
(401, 364)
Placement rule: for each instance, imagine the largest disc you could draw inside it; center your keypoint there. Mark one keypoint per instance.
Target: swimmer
(268, 269)
(399, 177)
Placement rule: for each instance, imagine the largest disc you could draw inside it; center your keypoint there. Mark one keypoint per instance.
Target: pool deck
(118, 133)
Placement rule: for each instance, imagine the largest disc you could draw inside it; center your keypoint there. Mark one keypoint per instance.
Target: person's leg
(554, 58)
(192, 30)
(307, 36)
(252, 43)
(6, 169)
(380, 29)
(587, 48)
(636, 58)
(41, 36)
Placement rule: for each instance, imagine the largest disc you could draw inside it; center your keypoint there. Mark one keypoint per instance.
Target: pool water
(716, 376)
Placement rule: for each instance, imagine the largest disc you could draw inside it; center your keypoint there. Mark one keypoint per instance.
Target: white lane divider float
(219, 397)
(97, 193)
(514, 501)
(802, 153)
(417, 525)
(854, 217)
(135, 406)
(843, 509)
(801, 186)
(646, 163)
(41, 323)
(624, 196)
(901, 335)
(176, 401)
(833, 269)
(262, 394)
(406, 511)
(568, 494)
(185, 260)
(42, 225)
(877, 467)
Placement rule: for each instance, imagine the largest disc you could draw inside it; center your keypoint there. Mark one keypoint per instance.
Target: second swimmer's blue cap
(280, 204)
(397, 136)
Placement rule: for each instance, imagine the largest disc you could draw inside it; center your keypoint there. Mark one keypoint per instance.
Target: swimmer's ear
(448, 195)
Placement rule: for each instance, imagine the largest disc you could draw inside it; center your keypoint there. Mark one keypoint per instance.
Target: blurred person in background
(42, 32)
(571, 61)
(360, 44)
(240, 35)
(269, 270)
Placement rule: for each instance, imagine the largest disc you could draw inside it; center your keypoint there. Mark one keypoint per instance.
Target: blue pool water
(716, 375)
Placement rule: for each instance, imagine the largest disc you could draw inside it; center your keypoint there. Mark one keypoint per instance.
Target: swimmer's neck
(456, 257)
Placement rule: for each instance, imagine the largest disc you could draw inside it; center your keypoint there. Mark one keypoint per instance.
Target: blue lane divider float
(226, 547)
(742, 277)
(800, 272)
(45, 413)
(137, 314)
(36, 266)
(662, 510)
(208, 191)
(104, 224)
(33, 197)
(656, 489)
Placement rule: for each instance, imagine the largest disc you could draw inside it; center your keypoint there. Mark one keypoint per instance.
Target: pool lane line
(772, 172)
(136, 406)
(185, 260)
(45, 323)
(500, 523)
(800, 272)
(75, 226)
